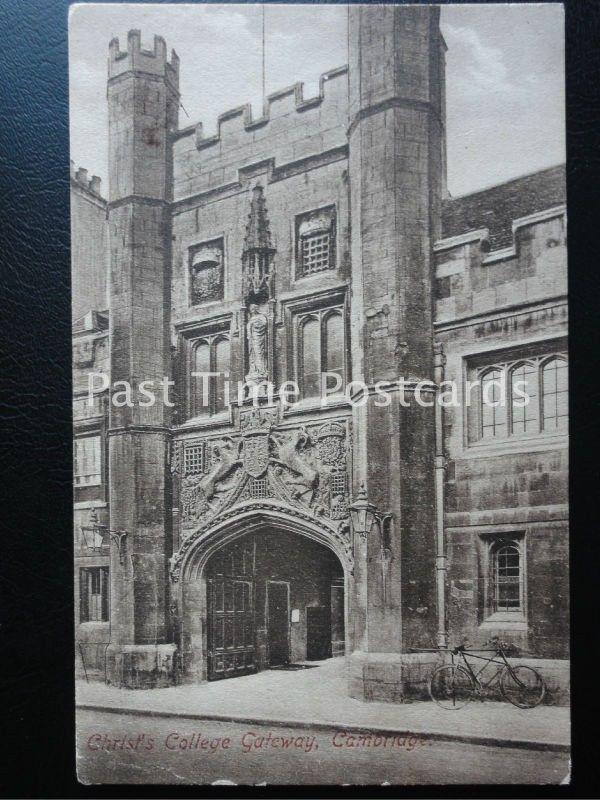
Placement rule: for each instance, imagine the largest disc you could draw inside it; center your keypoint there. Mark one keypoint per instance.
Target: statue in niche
(256, 331)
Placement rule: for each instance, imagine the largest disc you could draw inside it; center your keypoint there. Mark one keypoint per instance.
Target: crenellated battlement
(277, 104)
(135, 58)
(488, 254)
(79, 176)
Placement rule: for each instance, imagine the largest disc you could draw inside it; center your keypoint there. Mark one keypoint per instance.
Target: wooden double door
(233, 587)
(252, 585)
(231, 601)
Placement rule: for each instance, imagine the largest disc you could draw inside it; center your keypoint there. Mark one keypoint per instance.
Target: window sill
(223, 418)
(517, 444)
(95, 625)
(317, 404)
(83, 504)
(304, 276)
(505, 622)
(206, 304)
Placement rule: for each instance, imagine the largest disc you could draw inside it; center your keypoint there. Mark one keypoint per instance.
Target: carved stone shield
(255, 454)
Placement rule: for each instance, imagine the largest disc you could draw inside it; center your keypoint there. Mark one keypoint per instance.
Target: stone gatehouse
(316, 238)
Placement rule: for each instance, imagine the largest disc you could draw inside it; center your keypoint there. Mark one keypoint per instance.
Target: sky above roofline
(505, 74)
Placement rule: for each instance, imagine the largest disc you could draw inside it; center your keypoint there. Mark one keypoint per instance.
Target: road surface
(126, 748)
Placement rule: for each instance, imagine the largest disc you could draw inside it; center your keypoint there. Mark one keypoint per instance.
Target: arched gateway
(263, 586)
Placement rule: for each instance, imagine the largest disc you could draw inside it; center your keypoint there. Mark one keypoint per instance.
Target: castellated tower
(143, 104)
(396, 168)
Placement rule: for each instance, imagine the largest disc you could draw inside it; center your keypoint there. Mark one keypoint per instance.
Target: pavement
(315, 698)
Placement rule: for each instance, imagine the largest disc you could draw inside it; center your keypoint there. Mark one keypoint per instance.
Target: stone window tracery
(555, 394)
(320, 348)
(210, 354)
(507, 578)
(506, 595)
(518, 398)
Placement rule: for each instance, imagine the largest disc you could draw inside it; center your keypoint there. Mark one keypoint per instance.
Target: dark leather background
(35, 481)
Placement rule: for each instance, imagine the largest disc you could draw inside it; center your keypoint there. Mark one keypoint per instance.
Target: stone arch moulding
(187, 564)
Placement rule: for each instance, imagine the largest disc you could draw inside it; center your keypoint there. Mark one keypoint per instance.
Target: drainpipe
(440, 468)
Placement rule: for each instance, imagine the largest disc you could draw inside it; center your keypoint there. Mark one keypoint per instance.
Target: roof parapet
(135, 58)
(294, 95)
(489, 255)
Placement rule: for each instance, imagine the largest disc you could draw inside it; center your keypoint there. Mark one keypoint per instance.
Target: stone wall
(500, 293)
(224, 216)
(89, 245)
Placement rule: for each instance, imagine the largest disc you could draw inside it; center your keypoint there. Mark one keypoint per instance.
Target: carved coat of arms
(255, 452)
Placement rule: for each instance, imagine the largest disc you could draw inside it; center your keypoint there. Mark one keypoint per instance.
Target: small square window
(194, 459)
(315, 241)
(259, 488)
(315, 253)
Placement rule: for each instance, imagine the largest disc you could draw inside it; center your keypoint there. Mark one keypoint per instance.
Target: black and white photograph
(320, 394)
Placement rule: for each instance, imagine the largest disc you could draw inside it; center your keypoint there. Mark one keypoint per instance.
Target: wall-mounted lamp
(94, 536)
(364, 515)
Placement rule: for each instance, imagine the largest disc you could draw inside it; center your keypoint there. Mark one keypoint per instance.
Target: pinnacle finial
(258, 233)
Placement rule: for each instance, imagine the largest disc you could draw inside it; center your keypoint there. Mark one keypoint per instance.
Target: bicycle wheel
(451, 687)
(522, 686)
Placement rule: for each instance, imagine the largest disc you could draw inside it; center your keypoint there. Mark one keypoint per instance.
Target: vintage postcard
(319, 278)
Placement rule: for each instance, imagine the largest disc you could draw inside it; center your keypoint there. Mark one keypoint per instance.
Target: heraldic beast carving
(305, 467)
(294, 454)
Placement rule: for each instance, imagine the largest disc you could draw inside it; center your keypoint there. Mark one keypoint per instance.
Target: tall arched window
(507, 577)
(524, 399)
(334, 350)
(201, 366)
(222, 359)
(493, 405)
(210, 354)
(321, 348)
(310, 372)
(555, 395)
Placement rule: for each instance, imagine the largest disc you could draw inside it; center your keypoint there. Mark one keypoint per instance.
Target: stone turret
(396, 141)
(143, 101)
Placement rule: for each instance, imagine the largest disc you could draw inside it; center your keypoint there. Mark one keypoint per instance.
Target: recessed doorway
(274, 598)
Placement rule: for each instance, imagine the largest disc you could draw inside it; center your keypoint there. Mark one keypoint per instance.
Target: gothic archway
(268, 549)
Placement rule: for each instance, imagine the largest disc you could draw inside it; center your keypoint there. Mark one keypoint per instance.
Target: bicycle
(453, 685)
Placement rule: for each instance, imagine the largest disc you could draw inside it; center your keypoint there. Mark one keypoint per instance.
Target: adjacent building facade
(213, 527)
